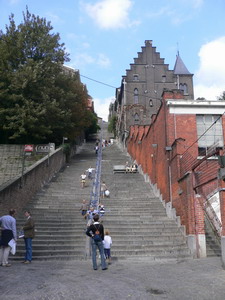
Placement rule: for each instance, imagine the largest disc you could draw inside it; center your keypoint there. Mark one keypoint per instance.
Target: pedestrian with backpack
(96, 232)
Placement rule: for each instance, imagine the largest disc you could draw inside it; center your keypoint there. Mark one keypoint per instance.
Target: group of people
(130, 168)
(101, 240)
(9, 233)
(104, 144)
(88, 213)
(95, 229)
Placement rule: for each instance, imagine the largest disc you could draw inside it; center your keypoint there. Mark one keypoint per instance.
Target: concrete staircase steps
(59, 224)
(134, 215)
(213, 246)
(136, 218)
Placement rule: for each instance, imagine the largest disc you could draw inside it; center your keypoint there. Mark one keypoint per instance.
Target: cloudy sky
(103, 37)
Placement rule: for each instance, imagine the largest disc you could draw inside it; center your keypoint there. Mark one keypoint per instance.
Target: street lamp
(64, 139)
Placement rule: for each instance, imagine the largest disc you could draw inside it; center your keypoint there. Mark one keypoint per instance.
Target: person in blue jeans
(97, 229)
(29, 234)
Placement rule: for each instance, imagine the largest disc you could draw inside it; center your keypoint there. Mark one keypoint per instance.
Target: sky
(104, 36)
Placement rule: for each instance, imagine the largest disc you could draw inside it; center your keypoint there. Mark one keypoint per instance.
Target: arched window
(135, 77)
(183, 87)
(136, 118)
(135, 96)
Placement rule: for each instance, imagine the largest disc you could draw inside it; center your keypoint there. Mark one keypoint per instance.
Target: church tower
(184, 78)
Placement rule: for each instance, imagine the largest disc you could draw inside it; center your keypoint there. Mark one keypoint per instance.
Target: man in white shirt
(83, 179)
(90, 170)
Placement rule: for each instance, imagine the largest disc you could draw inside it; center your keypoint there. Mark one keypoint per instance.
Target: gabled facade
(139, 96)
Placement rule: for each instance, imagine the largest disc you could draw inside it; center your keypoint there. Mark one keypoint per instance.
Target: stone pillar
(200, 227)
(196, 227)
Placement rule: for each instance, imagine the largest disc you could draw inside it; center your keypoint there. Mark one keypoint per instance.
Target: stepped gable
(143, 85)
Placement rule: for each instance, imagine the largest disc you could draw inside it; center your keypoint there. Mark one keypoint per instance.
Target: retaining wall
(18, 192)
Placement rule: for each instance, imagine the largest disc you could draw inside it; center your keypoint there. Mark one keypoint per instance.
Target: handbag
(107, 193)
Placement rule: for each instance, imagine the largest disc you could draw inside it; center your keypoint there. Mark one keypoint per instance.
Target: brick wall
(168, 153)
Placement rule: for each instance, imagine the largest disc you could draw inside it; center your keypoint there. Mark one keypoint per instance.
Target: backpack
(97, 237)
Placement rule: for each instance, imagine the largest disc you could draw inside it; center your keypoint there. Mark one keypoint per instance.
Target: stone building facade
(139, 95)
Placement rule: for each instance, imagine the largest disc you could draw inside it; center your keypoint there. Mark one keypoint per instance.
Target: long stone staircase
(135, 217)
(60, 228)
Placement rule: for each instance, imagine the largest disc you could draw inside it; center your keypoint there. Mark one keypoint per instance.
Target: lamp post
(64, 139)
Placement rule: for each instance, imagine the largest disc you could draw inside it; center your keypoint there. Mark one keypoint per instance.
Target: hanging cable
(111, 86)
(203, 133)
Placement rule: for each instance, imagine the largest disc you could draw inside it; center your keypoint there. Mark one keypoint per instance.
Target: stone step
(135, 217)
(142, 231)
(118, 239)
(160, 246)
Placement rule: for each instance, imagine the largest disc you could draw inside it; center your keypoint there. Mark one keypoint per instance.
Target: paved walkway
(125, 279)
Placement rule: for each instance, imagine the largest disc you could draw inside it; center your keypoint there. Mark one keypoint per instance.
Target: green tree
(93, 121)
(222, 96)
(31, 59)
(112, 125)
(200, 98)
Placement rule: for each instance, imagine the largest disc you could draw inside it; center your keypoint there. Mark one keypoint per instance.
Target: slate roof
(180, 68)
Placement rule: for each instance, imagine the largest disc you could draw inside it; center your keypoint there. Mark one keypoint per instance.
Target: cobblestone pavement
(125, 279)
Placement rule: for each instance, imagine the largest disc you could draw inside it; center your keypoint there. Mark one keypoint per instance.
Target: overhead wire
(204, 132)
(111, 86)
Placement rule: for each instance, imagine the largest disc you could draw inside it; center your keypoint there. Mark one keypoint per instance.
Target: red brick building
(178, 154)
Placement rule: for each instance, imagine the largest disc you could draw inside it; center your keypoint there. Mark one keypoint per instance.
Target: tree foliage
(201, 98)
(93, 121)
(112, 125)
(222, 96)
(38, 101)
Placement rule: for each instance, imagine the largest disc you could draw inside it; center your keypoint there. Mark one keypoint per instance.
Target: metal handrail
(96, 186)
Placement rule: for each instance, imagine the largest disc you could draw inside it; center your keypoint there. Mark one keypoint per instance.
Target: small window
(183, 87)
(136, 77)
(151, 103)
(136, 118)
(210, 133)
(135, 96)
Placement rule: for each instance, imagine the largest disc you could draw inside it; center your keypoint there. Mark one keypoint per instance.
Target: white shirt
(107, 242)
(83, 176)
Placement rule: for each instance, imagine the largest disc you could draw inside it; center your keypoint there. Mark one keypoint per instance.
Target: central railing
(95, 192)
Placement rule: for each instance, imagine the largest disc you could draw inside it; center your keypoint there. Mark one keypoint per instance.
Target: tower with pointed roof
(139, 96)
(183, 77)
